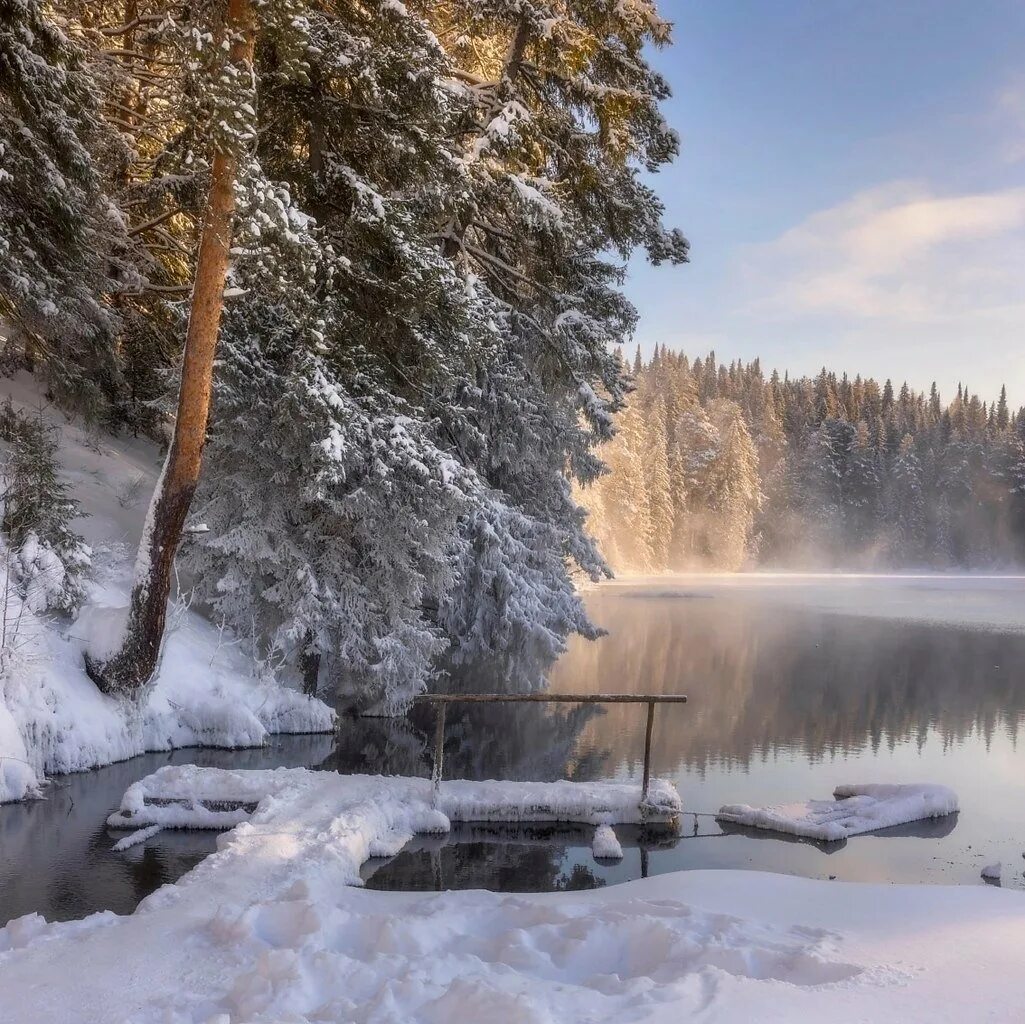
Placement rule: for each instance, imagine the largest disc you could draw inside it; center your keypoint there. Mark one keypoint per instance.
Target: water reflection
(785, 704)
(765, 680)
(482, 741)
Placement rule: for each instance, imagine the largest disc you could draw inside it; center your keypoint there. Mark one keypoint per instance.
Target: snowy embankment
(272, 928)
(52, 718)
(855, 810)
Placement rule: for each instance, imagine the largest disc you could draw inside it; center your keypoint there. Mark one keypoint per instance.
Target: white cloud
(902, 253)
(1010, 119)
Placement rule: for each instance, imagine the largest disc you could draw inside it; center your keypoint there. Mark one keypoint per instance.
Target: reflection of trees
(504, 858)
(482, 741)
(504, 867)
(763, 680)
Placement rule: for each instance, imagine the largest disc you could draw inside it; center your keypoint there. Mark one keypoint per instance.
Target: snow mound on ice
(605, 845)
(855, 809)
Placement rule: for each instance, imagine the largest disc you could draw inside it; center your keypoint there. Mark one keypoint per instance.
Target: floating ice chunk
(992, 872)
(854, 809)
(605, 845)
(139, 836)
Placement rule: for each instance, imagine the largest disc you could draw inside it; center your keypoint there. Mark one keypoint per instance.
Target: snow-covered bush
(45, 557)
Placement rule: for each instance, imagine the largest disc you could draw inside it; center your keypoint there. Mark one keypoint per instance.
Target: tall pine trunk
(133, 665)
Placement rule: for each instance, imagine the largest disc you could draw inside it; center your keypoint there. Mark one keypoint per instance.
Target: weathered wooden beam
(550, 698)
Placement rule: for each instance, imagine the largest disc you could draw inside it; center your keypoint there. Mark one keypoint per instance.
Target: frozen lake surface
(797, 684)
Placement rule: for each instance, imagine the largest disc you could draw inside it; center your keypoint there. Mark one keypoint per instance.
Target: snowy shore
(272, 928)
(53, 720)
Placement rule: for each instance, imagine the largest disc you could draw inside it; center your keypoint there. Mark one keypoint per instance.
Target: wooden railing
(442, 700)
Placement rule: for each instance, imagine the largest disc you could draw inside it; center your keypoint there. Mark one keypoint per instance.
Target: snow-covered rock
(992, 872)
(854, 810)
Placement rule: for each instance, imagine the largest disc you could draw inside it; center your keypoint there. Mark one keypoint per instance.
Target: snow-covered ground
(977, 601)
(271, 928)
(52, 718)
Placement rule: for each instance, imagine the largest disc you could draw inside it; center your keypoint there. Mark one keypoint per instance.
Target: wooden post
(647, 750)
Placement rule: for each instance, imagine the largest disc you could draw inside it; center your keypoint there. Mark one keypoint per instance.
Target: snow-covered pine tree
(904, 506)
(229, 79)
(62, 239)
(558, 112)
(734, 492)
(657, 481)
(861, 490)
(624, 495)
(332, 506)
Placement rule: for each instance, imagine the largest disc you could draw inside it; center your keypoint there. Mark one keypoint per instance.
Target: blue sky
(852, 181)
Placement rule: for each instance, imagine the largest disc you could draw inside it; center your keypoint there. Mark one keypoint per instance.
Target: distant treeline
(718, 466)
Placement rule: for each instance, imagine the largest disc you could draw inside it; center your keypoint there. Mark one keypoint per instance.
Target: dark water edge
(55, 853)
(785, 704)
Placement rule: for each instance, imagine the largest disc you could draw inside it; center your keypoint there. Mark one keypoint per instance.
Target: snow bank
(52, 718)
(18, 778)
(271, 928)
(854, 810)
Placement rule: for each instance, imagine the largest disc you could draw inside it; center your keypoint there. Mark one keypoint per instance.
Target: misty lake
(796, 684)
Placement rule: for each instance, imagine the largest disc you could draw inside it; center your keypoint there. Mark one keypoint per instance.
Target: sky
(852, 182)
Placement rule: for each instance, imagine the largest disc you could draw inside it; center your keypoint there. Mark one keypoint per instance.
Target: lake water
(787, 700)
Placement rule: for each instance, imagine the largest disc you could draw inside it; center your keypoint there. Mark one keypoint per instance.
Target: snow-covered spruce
(272, 927)
(401, 479)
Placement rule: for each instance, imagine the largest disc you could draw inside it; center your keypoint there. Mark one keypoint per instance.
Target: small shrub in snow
(46, 558)
(131, 492)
